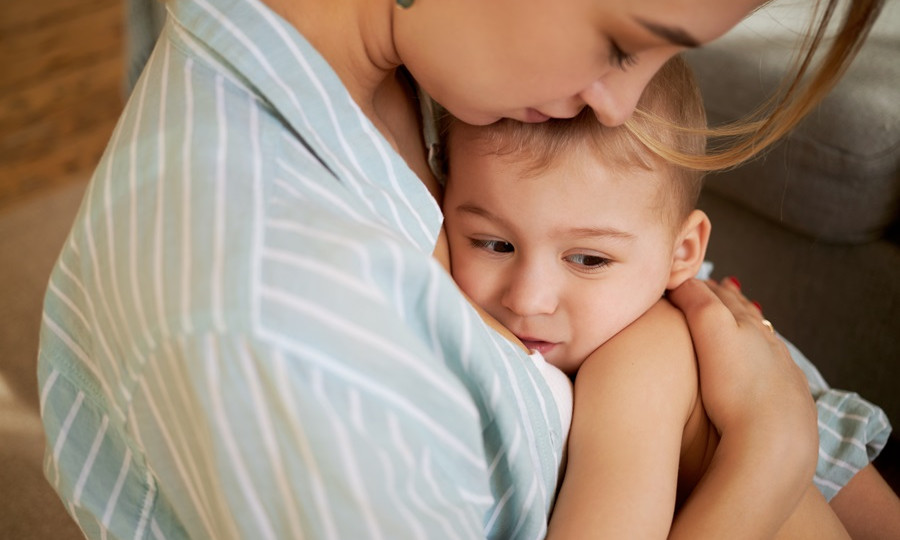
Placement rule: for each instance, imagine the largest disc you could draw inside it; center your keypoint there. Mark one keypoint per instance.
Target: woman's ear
(690, 248)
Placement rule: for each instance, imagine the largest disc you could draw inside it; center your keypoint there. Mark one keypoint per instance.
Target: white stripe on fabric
(79, 352)
(89, 462)
(232, 448)
(345, 449)
(341, 279)
(154, 529)
(101, 336)
(263, 62)
(312, 77)
(358, 248)
(392, 177)
(364, 335)
(493, 466)
(851, 440)
(77, 282)
(529, 500)
(428, 475)
(416, 530)
(134, 244)
(258, 225)
(215, 65)
(117, 489)
(179, 436)
(528, 434)
(145, 510)
(69, 304)
(465, 337)
(159, 217)
(431, 299)
(474, 498)
(64, 430)
(398, 273)
(267, 432)
(412, 467)
(531, 444)
(48, 386)
(218, 248)
(838, 462)
(316, 480)
(187, 253)
(378, 141)
(495, 393)
(826, 483)
(489, 525)
(841, 414)
(332, 199)
(176, 459)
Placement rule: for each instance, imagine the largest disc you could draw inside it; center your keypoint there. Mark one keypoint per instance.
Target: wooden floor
(61, 90)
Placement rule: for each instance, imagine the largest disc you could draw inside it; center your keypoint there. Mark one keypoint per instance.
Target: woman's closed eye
(496, 246)
(620, 58)
(587, 261)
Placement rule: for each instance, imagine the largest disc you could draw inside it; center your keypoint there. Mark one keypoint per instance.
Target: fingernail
(759, 307)
(735, 281)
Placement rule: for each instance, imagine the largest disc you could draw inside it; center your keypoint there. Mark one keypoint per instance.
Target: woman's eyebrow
(671, 34)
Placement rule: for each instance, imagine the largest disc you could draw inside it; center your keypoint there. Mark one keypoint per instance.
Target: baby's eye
(497, 246)
(592, 262)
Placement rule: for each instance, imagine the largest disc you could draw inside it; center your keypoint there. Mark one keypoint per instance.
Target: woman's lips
(535, 116)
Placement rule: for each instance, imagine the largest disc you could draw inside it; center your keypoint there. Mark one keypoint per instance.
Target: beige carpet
(31, 233)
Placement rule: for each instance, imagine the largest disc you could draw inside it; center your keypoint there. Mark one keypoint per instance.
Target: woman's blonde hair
(737, 142)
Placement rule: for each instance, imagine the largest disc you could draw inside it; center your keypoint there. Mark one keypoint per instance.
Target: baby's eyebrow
(593, 232)
(474, 209)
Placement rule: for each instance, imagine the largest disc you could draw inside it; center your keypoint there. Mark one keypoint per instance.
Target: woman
(246, 335)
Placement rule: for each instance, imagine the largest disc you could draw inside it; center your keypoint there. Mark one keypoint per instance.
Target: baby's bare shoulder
(655, 351)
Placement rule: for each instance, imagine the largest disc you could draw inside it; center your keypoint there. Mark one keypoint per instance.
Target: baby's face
(566, 258)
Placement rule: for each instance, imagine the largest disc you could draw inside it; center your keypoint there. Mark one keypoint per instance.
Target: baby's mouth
(538, 345)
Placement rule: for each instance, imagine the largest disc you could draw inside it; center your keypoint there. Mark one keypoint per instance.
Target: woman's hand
(746, 372)
(760, 403)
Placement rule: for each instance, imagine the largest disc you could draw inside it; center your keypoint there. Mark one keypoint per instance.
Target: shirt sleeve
(852, 431)
(236, 430)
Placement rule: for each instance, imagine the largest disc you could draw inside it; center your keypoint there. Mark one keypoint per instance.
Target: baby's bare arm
(633, 397)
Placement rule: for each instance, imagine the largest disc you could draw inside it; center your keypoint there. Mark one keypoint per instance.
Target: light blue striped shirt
(245, 334)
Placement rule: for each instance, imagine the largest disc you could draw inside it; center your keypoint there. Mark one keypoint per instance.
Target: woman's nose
(615, 95)
(612, 105)
(530, 292)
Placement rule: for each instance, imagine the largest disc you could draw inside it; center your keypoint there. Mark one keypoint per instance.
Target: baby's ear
(690, 248)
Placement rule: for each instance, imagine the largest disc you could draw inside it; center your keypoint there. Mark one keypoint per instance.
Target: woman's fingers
(746, 372)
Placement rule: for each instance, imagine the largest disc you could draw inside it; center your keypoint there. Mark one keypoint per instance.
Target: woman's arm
(759, 401)
(633, 397)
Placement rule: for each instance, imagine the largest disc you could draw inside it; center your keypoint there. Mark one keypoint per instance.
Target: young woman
(246, 335)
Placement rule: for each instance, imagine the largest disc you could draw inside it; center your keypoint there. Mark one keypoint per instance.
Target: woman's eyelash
(620, 58)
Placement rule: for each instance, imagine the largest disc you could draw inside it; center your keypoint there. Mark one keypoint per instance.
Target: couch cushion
(837, 176)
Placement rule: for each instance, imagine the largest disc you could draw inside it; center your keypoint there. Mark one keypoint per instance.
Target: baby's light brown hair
(669, 113)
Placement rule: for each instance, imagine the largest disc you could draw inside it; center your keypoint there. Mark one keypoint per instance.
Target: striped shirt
(245, 334)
